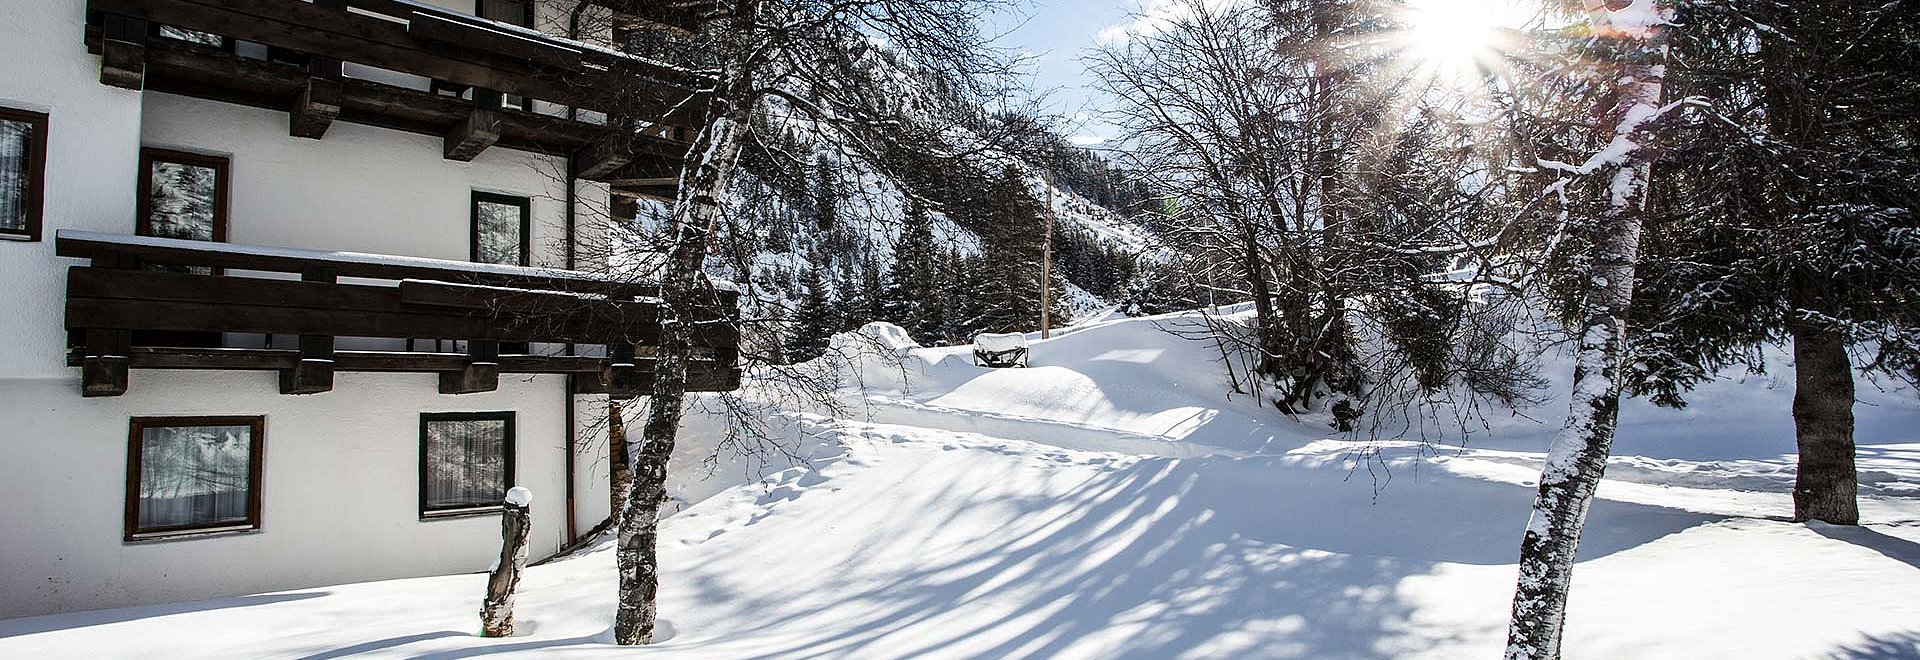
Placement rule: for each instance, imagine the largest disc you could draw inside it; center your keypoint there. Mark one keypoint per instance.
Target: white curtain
(16, 138)
(194, 475)
(466, 462)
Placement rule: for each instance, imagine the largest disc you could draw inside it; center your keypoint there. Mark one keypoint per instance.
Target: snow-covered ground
(1111, 501)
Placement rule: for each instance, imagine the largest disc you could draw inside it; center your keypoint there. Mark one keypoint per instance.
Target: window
(516, 12)
(500, 229)
(466, 462)
(182, 195)
(193, 474)
(23, 170)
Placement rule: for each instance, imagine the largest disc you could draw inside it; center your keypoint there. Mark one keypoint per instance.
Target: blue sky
(1057, 32)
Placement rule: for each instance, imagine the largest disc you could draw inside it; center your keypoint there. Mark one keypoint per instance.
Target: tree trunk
(620, 470)
(1578, 457)
(1825, 487)
(516, 521)
(683, 291)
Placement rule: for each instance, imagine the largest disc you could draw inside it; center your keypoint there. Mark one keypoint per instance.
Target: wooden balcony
(122, 296)
(650, 106)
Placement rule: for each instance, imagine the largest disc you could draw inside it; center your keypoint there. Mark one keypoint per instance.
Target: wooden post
(516, 521)
(1046, 266)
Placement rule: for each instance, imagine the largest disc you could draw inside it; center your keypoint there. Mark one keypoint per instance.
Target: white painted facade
(341, 468)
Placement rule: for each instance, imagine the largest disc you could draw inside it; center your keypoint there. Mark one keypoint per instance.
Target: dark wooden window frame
(36, 172)
(256, 462)
(526, 223)
(508, 416)
(222, 180)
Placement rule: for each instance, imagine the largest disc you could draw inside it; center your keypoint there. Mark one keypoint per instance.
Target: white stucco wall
(361, 188)
(341, 481)
(340, 489)
(92, 151)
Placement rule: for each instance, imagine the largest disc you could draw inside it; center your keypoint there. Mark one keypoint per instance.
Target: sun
(1456, 41)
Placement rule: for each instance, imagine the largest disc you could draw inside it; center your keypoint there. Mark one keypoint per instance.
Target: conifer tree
(1007, 281)
(914, 296)
(815, 321)
(1792, 218)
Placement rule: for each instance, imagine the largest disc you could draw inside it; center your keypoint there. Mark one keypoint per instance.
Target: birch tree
(1631, 46)
(817, 60)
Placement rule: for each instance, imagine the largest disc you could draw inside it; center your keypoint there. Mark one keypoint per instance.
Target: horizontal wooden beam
(348, 264)
(141, 300)
(702, 375)
(550, 69)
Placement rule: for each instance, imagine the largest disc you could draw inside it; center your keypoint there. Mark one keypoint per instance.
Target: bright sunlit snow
(1112, 502)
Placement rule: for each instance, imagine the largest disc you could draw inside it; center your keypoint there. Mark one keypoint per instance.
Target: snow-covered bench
(1000, 349)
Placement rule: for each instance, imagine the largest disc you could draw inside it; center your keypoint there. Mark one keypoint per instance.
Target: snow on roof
(996, 342)
(328, 255)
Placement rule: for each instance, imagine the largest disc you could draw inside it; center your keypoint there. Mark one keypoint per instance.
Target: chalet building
(294, 290)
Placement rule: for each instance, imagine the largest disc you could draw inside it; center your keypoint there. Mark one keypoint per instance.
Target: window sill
(23, 238)
(460, 513)
(189, 534)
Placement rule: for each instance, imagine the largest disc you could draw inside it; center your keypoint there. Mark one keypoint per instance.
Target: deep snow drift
(1111, 501)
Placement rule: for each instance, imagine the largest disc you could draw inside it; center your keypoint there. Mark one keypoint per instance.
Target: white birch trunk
(696, 212)
(516, 522)
(1577, 458)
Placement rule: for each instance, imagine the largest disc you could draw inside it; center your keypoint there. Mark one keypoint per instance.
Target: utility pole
(1046, 266)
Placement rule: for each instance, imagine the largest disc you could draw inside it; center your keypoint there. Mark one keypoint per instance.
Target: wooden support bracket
(314, 109)
(123, 51)
(621, 372)
(103, 362)
(610, 153)
(473, 135)
(313, 374)
(481, 373)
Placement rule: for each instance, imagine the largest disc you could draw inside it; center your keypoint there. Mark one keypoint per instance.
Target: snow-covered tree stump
(496, 613)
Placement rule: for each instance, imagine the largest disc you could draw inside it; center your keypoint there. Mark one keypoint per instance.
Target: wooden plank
(229, 256)
(143, 300)
(702, 375)
(479, 130)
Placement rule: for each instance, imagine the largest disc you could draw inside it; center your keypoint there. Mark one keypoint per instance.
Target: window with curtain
(500, 224)
(191, 474)
(183, 195)
(23, 157)
(466, 461)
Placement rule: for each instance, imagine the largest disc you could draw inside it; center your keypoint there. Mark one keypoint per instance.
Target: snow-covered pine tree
(1007, 280)
(914, 296)
(1791, 216)
(815, 321)
(1631, 53)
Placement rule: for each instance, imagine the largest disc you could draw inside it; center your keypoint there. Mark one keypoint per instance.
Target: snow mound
(998, 342)
(1116, 500)
(519, 496)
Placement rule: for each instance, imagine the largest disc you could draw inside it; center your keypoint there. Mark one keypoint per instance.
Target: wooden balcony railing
(121, 293)
(652, 104)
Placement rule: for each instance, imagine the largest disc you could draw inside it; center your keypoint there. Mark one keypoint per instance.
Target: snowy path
(1102, 516)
